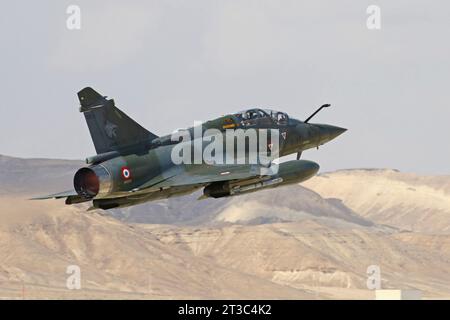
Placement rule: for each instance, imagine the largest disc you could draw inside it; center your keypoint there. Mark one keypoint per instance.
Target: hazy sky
(168, 63)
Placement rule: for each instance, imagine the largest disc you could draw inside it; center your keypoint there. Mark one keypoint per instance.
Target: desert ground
(309, 241)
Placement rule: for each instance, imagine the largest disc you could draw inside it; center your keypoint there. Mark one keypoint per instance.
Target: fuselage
(155, 161)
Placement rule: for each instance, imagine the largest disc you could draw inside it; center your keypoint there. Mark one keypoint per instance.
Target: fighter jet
(133, 165)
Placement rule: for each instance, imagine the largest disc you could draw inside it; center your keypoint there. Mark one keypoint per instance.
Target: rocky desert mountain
(34, 176)
(40, 240)
(404, 200)
(284, 243)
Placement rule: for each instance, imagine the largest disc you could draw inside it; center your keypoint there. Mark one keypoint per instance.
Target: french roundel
(126, 173)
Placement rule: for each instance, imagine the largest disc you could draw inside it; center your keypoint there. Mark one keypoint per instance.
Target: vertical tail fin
(110, 128)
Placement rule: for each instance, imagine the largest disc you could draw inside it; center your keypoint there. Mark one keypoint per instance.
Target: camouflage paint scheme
(133, 165)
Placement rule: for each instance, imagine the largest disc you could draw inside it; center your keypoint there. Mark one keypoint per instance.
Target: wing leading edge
(186, 175)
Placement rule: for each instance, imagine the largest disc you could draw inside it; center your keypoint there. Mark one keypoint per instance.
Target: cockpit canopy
(262, 116)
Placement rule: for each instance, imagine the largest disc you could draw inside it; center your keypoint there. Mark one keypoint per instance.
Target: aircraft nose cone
(334, 131)
(329, 132)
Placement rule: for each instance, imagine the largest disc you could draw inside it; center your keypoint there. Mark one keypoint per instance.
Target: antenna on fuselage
(317, 111)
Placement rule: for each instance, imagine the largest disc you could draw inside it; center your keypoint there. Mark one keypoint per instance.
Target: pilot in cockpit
(251, 114)
(281, 118)
(247, 115)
